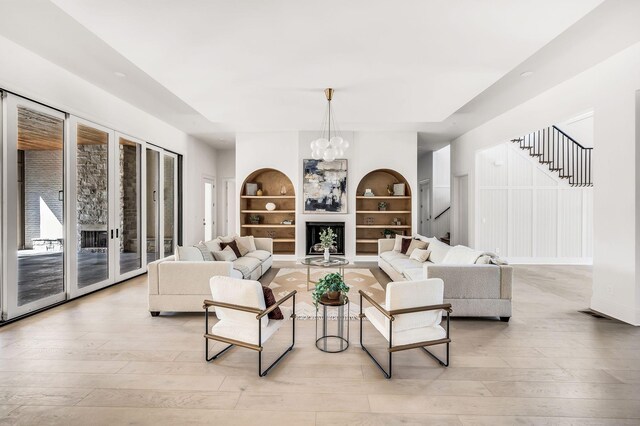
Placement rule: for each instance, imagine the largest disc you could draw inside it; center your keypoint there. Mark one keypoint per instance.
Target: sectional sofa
(181, 285)
(473, 285)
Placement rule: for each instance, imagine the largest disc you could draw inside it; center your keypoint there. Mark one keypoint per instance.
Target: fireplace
(93, 240)
(313, 237)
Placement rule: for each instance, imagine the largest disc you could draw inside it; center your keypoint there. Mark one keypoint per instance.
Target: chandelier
(328, 147)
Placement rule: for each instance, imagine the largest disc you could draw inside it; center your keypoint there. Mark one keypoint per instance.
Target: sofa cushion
(413, 274)
(461, 255)
(226, 255)
(416, 244)
(261, 255)
(392, 255)
(420, 255)
(248, 243)
(398, 243)
(403, 337)
(234, 247)
(213, 245)
(188, 253)
(438, 249)
(402, 265)
(246, 265)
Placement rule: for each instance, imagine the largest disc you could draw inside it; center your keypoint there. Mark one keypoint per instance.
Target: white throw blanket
(462, 255)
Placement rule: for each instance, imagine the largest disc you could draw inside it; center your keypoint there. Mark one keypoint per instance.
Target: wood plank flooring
(103, 360)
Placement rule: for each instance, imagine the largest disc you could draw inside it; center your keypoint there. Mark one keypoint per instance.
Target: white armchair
(243, 317)
(409, 319)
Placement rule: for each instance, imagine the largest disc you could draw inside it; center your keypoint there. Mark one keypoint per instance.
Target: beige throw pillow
(420, 255)
(398, 244)
(246, 244)
(213, 245)
(416, 244)
(226, 255)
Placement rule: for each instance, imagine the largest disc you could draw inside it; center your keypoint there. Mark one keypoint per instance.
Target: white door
(425, 208)
(209, 216)
(462, 184)
(230, 207)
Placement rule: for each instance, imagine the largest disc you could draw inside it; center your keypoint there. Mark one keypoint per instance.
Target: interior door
(425, 208)
(209, 205)
(93, 244)
(34, 245)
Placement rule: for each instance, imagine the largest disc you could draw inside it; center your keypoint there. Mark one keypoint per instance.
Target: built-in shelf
(267, 225)
(383, 211)
(397, 197)
(270, 181)
(268, 211)
(286, 197)
(384, 226)
(370, 222)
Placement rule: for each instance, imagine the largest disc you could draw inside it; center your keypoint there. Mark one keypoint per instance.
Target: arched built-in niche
(371, 219)
(272, 183)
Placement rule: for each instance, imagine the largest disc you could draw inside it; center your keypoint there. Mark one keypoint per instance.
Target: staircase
(561, 153)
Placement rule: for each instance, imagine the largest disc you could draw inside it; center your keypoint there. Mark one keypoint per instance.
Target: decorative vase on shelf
(259, 192)
(326, 254)
(283, 190)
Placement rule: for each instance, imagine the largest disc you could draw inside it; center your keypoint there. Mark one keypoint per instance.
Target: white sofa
(181, 286)
(473, 290)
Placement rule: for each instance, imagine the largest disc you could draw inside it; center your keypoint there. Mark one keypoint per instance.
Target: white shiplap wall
(527, 214)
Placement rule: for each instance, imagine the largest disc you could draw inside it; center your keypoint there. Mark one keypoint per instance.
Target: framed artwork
(325, 186)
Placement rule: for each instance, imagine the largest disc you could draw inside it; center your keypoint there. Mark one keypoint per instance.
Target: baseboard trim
(550, 260)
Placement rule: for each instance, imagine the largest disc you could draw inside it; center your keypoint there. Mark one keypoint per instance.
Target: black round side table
(332, 338)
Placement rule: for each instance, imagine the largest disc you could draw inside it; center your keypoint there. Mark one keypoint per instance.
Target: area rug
(288, 279)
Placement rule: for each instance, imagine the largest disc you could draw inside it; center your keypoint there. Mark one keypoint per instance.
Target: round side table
(332, 338)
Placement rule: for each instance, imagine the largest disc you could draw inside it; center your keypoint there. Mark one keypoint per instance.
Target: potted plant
(382, 206)
(388, 233)
(254, 219)
(332, 285)
(327, 240)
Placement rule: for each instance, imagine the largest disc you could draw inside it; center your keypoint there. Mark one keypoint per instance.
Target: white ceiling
(262, 65)
(212, 68)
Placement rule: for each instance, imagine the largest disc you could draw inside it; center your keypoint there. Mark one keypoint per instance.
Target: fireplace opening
(93, 240)
(313, 230)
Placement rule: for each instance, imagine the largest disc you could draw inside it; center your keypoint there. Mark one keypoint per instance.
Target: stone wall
(129, 198)
(92, 185)
(42, 181)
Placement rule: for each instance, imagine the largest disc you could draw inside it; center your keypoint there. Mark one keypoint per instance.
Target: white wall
(369, 151)
(527, 213)
(29, 75)
(441, 192)
(226, 170)
(609, 89)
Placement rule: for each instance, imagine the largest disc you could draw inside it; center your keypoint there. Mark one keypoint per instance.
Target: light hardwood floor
(103, 360)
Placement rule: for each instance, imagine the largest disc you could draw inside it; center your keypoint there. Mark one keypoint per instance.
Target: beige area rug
(288, 279)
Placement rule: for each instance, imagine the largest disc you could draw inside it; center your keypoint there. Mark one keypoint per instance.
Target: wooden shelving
(271, 182)
(370, 220)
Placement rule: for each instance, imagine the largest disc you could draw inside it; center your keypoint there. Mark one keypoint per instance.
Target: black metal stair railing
(561, 153)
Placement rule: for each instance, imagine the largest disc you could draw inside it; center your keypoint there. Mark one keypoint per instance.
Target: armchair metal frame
(260, 313)
(390, 315)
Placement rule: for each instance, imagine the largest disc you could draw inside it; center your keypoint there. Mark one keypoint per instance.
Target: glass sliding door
(129, 218)
(170, 202)
(34, 207)
(152, 205)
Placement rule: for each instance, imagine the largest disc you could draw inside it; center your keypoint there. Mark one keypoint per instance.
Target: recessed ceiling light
(120, 74)
(526, 74)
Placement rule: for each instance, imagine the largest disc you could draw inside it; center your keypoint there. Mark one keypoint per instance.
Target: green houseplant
(254, 219)
(332, 285)
(327, 240)
(382, 206)
(388, 233)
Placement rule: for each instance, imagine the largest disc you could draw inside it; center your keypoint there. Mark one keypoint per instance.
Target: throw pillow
(416, 244)
(270, 300)
(248, 242)
(405, 245)
(227, 239)
(213, 245)
(206, 253)
(243, 246)
(234, 247)
(188, 254)
(398, 244)
(420, 255)
(226, 255)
